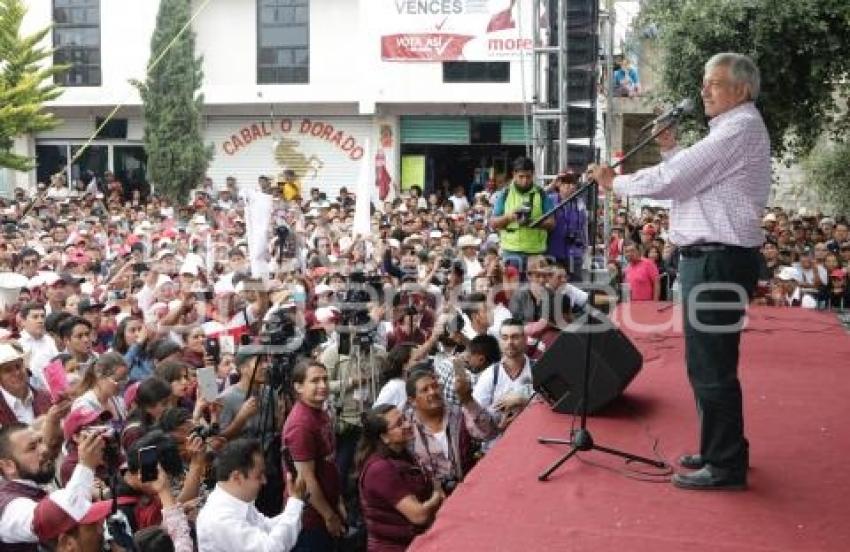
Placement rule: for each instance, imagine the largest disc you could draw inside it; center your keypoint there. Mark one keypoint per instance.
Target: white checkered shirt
(719, 186)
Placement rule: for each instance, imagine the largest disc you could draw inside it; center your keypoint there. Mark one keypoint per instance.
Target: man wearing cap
(468, 246)
(789, 293)
(719, 189)
(514, 208)
(568, 239)
(28, 515)
(768, 222)
(22, 403)
(56, 293)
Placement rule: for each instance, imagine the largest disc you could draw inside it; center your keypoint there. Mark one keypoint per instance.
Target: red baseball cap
(511, 272)
(50, 520)
(80, 418)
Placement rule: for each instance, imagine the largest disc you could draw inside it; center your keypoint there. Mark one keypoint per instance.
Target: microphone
(681, 109)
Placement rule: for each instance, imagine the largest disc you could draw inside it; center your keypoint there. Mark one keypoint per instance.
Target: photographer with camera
(29, 516)
(568, 239)
(443, 433)
(253, 408)
(514, 208)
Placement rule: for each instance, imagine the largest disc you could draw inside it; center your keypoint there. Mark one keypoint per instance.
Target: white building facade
(317, 86)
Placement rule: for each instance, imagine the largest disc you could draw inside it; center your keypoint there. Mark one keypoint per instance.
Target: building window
(283, 41)
(476, 71)
(76, 39)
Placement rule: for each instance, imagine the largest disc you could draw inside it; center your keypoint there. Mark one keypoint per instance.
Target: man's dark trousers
(711, 352)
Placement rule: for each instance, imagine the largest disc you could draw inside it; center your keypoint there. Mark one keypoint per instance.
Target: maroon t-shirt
(309, 435)
(383, 483)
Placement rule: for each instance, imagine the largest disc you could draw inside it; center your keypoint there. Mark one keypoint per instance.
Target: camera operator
(239, 403)
(253, 408)
(443, 433)
(28, 515)
(353, 388)
(568, 239)
(514, 208)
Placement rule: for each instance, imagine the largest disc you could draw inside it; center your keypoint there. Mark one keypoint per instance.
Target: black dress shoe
(711, 478)
(691, 461)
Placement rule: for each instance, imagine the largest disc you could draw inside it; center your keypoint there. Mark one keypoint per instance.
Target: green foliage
(177, 155)
(826, 170)
(800, 46)
(25, 84)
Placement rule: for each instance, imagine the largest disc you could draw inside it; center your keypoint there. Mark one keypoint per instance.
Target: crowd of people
(158, 395)
(804, 259)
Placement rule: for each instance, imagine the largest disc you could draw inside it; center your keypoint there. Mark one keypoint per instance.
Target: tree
(827, 171)
(800, 46)
(26, 83)
(172, 106)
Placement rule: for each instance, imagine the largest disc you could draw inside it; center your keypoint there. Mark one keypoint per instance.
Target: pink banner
(423, 46)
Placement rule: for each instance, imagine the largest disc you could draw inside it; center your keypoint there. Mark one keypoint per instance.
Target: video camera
(276, 336)
(356, 324)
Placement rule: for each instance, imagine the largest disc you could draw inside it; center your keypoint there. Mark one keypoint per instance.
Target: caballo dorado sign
(319, 130)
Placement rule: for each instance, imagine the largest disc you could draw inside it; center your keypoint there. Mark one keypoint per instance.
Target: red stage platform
(795, 370)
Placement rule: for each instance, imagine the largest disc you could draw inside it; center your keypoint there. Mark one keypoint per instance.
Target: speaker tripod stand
(581, 439)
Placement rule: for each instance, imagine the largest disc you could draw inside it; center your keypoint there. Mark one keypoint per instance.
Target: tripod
(581, 439)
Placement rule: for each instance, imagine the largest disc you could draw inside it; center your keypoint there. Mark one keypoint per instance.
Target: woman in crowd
(193, 351)
(131, 340)
(101, 385)
(176, 373)
(397, 498)
(393, 389)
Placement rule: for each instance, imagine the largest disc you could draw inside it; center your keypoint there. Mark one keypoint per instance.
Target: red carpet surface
(795, 369)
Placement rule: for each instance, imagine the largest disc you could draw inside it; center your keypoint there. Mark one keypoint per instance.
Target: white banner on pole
(365, 186)
(258, 214)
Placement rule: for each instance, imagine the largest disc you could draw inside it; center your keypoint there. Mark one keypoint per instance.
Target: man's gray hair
(741, 69)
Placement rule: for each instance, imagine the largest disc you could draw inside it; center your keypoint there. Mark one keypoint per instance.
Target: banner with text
(454, 30)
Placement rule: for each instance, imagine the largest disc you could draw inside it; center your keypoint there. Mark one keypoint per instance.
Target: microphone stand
(581, 439)
(585, 187)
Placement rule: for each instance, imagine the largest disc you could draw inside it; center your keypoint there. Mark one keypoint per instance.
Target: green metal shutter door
(513, 131)
(435, 130)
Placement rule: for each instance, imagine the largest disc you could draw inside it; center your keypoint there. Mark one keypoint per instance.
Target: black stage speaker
(614, 362)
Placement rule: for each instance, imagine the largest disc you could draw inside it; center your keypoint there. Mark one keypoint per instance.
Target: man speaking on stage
(719, 189)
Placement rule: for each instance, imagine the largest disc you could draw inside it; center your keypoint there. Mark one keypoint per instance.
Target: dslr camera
(523, 214)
